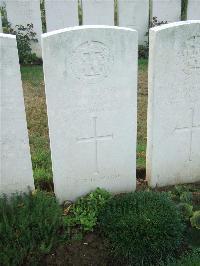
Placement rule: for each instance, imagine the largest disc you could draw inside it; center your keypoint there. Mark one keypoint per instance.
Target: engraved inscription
(190, 129)
(96, 178)
(95, 139)
(91, 61)
(191, 55)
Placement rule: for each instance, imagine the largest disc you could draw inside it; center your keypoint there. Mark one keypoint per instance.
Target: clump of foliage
(85, 211)
(186, 210)
(183, 193)
(29, 227)
(195, 220)
(143, 51)
(191, 258)
(142, 227)
(24, 36)
(41, 161)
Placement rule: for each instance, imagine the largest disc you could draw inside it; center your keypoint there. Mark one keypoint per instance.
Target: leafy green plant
(186, 197)
(195, 220)
(186, 210)
(24, 36)
(29, 227)
(143, 51)
(179, 190)
(142, 227)
(85, 211)
(191, 258)
(182, 193)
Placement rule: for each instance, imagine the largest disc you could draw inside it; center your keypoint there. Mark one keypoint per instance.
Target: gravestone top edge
(9, 36)
(79, 28)
(174, 24)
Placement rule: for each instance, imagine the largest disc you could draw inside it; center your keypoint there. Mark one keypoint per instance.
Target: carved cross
(95, 138)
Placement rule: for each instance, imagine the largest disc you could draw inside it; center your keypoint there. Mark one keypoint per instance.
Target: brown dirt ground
(91, 251)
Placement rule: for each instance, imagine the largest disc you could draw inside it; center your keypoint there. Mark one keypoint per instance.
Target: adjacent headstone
(193, 10)
(166, 10)
(98, 12)
(173, 153)
(91, 91)
(134, 14)
(23, 12)
(61, 14)
(1, 29)
(15, 166)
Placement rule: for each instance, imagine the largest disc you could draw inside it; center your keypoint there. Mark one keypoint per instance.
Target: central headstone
(91, 90)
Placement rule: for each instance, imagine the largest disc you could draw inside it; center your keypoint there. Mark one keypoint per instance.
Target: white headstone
(1, 29)
(23, 12)
(193, 10)
(91, 90)
(173, 153)
(98, 12)
(134, 14)
(61, 14)
(15, 165)
(166, 10)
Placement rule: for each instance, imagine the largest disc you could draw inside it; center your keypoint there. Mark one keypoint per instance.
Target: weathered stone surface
(98, 12)
(167, 10)
(134, 14)
(91, 90)
(61, 14)
(173, 152)
(15, 165)
(193, 10)
(23, 12)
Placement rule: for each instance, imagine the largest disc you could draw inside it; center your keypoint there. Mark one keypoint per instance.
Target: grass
(30, 227)
(142, 113)
(35, 104)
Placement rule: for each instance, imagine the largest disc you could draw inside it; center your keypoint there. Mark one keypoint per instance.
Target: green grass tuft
(29, 227)
(142, 227)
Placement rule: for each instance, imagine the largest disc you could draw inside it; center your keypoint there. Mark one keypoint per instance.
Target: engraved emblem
(191, 55)
(91, 61)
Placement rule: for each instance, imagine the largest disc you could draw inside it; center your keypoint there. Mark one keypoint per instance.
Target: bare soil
(91, 251)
